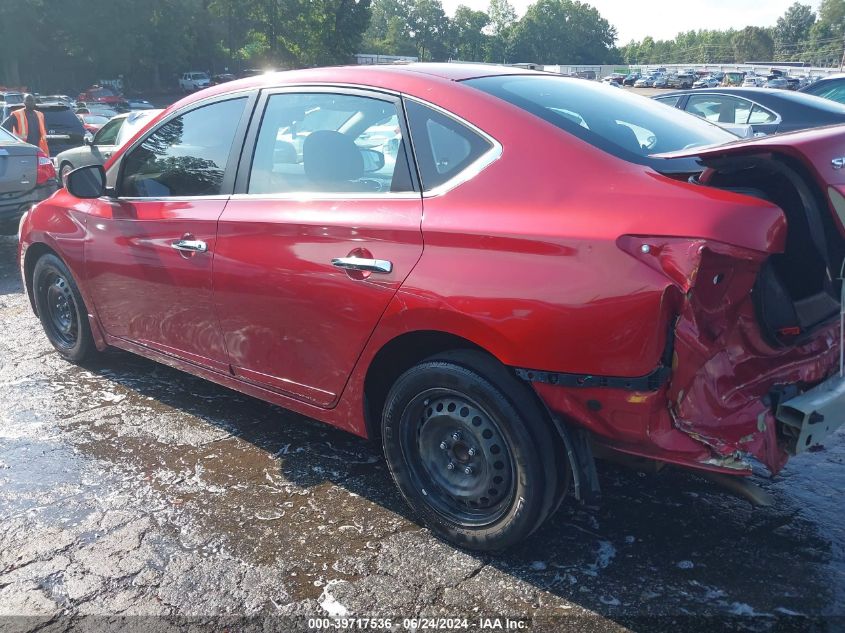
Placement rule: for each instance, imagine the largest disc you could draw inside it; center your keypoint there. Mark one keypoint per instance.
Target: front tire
(472, 451)
(61, 309)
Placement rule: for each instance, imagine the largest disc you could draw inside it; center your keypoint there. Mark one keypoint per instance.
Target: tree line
(62, 45)
(800, 35)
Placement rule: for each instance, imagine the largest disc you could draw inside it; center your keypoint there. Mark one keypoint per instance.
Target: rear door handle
(359, 263)
(190, 246)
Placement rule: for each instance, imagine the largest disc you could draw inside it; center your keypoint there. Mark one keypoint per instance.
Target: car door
(322, 230)
(150, 250)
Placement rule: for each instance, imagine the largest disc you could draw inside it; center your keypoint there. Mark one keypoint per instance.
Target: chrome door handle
(359, 263)
(190, 246)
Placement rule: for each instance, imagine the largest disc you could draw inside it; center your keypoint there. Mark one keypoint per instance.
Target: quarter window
(443, 146)
(329, 143)
(185, 156)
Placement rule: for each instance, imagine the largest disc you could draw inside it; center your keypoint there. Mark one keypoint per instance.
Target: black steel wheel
(472, 451)
(457, 453)
(61, 309)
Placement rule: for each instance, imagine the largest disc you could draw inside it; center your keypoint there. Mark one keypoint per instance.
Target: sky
(663, 19)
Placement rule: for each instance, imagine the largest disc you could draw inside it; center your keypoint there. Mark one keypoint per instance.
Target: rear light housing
(46, 171)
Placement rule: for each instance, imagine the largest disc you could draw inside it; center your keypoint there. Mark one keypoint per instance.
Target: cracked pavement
(131, 489)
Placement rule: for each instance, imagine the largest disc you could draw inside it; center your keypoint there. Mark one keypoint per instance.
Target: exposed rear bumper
(809, 418)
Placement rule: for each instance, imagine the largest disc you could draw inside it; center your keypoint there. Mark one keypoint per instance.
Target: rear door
(150, 252)
(322, 230)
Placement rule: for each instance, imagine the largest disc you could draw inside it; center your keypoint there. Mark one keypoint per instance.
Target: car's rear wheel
(61, 309)
(471, 450)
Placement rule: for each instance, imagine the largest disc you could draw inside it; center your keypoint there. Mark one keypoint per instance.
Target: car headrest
(331, 157)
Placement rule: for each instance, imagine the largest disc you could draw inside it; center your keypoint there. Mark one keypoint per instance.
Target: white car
(753, 81)
(193, 81)
(707, 82)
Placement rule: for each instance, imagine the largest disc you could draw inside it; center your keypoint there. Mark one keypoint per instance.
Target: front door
(149, 257)
(323, 232)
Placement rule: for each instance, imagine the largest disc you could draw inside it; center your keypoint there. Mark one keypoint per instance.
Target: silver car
(99, 148)
(26, 177)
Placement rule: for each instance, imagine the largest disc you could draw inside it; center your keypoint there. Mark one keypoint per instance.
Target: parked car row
(701, 79)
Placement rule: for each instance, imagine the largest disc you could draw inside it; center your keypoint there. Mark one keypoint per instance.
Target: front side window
(185, 156)
(720, 108)
(443, 146)
(329, 143)
(107, 135)
(760, 115)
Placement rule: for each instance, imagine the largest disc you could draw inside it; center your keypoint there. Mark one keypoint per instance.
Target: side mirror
(87, 182)
(88, 139)
(373, 160)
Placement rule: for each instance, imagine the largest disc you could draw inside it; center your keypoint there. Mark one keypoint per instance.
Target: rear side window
(329, 143)
(443, 146)
(186, 155)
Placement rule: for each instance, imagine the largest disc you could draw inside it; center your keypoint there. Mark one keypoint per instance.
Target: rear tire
(465, 409)
(61, 309)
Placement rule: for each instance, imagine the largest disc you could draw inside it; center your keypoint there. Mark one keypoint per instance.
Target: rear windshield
(61, 117)
(626, 125)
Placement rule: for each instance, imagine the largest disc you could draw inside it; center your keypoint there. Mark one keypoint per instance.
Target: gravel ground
(130, 489)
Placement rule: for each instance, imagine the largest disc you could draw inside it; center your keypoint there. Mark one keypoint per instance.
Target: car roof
(413, 78)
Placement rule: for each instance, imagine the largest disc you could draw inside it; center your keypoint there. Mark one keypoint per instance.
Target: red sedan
(499, 273)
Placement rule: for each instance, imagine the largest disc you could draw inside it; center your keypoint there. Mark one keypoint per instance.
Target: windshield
(199, 76)
(7, 136)
(95, 119)
(99, 93)
(626, 125)
(13, 98)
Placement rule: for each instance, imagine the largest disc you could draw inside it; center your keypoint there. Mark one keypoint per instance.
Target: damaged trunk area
(757, 364)
(799, 290)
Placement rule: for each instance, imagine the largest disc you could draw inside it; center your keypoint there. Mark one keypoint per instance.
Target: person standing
(27, 123)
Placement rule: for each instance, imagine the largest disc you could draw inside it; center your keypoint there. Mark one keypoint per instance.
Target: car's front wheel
(61, 309)
(472, 451)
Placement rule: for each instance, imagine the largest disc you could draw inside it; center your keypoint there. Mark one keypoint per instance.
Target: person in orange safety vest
(28, 124)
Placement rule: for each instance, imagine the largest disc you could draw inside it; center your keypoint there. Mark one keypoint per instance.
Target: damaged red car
(499, 274)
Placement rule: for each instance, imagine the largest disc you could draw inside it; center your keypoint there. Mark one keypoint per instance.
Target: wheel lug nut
(468, 470)
(471, 452)
(456, 435)
(444, 445)
(450, 466)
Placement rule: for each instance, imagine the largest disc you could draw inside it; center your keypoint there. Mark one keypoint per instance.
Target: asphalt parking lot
(128, 488)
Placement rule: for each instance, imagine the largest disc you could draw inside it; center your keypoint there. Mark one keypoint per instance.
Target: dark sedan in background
(832, 88)
(27, 176)
(767, 111)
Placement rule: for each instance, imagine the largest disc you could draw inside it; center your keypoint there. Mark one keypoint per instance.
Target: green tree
(468, 33)
(792, 31)
(568, 31)
(388, 32)
(429, 29)
(753, 44)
